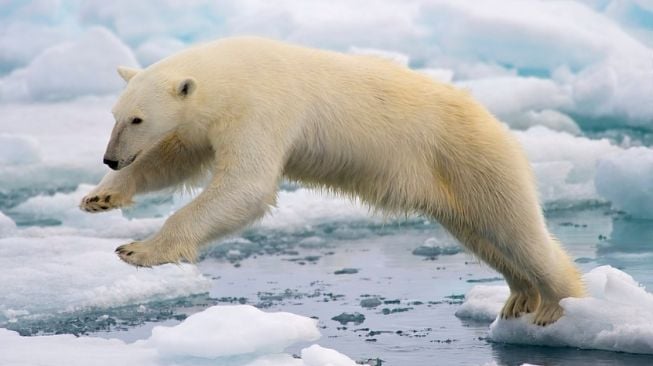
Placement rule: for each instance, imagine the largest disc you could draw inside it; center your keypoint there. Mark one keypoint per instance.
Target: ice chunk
(239, 335)
(626, 179)
(222, 331)
(509, 97)
(17, 149)
(7, 226)
(483, 303)
(319, 356)
(154, 50)
(70, 350)
(605, 46)
(21, 41)
(616, 316)
(81, 272)
(306, 206)
(565, 165)
(549, 118)
(62, 208)
(53, 146)
(85, 66)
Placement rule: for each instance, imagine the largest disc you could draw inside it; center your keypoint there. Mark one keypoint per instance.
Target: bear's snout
(111, 163)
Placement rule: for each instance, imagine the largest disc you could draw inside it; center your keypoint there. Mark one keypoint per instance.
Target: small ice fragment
(344, 318)
(371, 302)
(346, 271)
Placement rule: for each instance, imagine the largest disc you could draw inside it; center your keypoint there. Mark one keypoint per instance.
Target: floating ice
(564, 165)
(626, 179)
(306, 206)
(596, 55)
(53, 146)
(62, 208)
(617, 316)
(80, 272)
(224, 331)
(155, 49)
(16, 149)
(7, 226)
(320, 356)
(511, 97)
(483, 303)
(239, 335)
(87, 66)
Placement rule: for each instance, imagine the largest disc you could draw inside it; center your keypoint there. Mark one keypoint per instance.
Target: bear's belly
(384, 184)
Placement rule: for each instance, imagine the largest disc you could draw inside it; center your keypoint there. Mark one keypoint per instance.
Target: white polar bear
(251, 111)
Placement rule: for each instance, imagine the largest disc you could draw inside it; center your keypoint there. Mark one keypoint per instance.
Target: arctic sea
(321, 280)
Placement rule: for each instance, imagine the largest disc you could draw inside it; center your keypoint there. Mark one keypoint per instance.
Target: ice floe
(617, 315)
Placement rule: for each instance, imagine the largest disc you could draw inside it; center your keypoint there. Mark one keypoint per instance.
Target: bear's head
(150, 107)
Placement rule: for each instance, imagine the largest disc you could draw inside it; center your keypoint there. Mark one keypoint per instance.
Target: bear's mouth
(130, 160)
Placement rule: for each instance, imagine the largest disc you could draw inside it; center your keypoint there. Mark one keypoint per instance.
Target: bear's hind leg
(524, 297)
(556, 285)
(546, 265)
(536, 268)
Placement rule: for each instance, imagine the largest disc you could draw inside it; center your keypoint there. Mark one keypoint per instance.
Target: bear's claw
(520, 303)
(152, 252)
(137, 254)
(98, 202)
(548, 314)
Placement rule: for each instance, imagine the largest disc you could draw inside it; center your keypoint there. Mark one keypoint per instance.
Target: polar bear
(252, 111)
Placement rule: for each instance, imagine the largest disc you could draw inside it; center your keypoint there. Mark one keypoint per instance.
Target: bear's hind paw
(548, 313)
(520, 303)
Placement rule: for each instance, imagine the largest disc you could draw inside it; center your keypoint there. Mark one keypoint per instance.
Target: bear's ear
(126, 73)
(186, 87)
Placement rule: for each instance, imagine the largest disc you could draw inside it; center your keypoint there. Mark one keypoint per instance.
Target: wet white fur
(260, 110)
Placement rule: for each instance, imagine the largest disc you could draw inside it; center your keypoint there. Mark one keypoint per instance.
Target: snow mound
(82, 67)
(239, 335)
(223, 331)
(626, 179)
(616, 316)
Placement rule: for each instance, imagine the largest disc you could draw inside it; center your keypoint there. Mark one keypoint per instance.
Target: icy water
(385, 293)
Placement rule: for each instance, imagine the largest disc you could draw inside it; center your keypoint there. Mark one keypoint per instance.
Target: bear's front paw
(103, 201)
(153, 253)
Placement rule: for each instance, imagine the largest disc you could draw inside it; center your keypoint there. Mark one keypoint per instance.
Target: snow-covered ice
(616, 316)
(238, 335)
(81, 273)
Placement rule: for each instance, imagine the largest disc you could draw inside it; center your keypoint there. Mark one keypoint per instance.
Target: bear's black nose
(111, 163)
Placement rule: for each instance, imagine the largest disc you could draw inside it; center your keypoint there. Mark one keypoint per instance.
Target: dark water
(400, 305)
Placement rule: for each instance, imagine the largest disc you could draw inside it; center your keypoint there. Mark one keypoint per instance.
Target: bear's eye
(136, 121)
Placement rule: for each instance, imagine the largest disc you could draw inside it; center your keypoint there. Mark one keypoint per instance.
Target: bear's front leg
(114, 191)
(243, 187)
